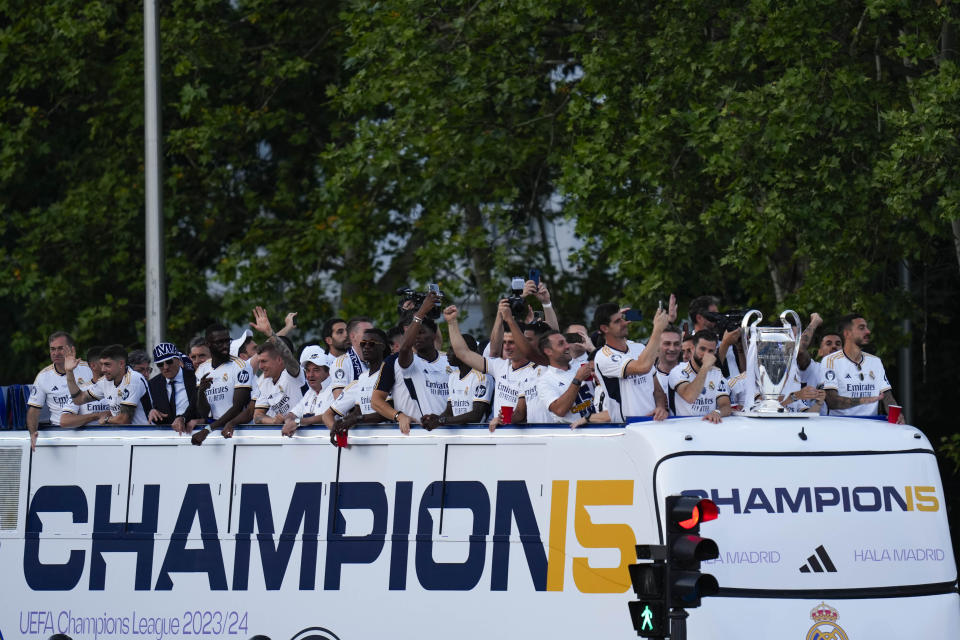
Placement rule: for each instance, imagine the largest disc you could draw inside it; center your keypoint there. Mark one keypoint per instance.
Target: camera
(723, 322)
(417, 297)
(518, 306)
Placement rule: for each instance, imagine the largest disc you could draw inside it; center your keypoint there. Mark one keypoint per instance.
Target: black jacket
(160, 394)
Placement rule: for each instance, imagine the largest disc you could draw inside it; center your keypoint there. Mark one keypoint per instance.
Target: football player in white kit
(355, 404)
(855, 381)
(514, 377)
(223, 387)
(50, 385)
(417, 381)
(470, 392)
(567, 392)
(626, 367)
(698, 388)
(123, 388)
(308, 411)
(281, 386)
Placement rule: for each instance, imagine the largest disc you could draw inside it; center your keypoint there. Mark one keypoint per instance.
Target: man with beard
(121, 386)
(698, 388)
(625, 366)
(514, 376)
(565, 391)
(668, 357)
(223, 390)
(355, 404)
(470, 392)
(91, 411)
(855, 381)
(308, 411)
(50, 385)
(348, 366)
(417, 381)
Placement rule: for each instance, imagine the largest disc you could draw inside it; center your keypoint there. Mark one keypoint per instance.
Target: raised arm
(523, 345)
(70, 363)
(803, 353)
(543, 295)
(468, 357)
(644, 362)
(405, 353)
(262, 324)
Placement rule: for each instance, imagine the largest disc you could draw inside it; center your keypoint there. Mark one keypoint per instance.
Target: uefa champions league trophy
(771, 361)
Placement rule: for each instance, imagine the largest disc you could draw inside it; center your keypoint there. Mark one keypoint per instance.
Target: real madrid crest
(825, 625)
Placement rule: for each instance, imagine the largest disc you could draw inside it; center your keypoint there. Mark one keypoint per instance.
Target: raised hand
(261, 322)
(70, 361)
(450, 314)
(672, 308)
(289, 323)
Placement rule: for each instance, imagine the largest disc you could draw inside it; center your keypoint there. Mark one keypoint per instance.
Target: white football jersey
(50, 389)
(473, 387)
(511, 383)
(428, 383)
(663, 377)
(358, 393)
(309, 404)
(852, 380)
(280, 396)
(553, 383)
(346, 369)
(232, 374)
(737, 387)
(129, 392)
(397, 388)
(713, 387)
(632, 395)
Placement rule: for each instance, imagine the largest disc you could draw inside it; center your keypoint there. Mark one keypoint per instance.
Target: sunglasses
(371, 343)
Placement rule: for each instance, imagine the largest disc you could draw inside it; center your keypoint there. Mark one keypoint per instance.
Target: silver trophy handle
(790, 313)
(745, 323)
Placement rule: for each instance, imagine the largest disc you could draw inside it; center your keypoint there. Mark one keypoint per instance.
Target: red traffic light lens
(703, 511)
(708, 510)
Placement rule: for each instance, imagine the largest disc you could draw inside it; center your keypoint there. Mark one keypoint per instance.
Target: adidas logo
(814, 562)
(848, 376)
(55, 388)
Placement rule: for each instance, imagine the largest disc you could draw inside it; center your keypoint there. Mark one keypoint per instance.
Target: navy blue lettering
(343, 549)
(733, 500)
(513, 501)
(124, 537)
(255, 506)
(758, 500)
(53, 577)
(452, 576)
(197, 504)
(400, 540)
(891, 495)
(782, 497)
(874, 494)
(825, 497)
(845, 496)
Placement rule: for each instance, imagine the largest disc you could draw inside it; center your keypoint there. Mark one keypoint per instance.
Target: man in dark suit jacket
(173, 390)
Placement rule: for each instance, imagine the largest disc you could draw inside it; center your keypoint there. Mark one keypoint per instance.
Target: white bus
(829, 528)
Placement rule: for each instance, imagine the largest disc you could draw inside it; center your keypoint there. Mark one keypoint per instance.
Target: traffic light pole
(678, 624)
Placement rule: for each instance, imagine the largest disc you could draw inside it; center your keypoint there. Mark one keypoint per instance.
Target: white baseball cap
(236, 344)
(313, 353)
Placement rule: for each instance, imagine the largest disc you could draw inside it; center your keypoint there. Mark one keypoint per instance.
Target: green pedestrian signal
(649, 618)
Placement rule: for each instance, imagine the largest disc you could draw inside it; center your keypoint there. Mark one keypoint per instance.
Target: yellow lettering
(927, 502)
(558, 535)
(909, 493)
(603, 536)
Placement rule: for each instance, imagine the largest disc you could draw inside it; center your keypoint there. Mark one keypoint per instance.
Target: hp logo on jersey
(312, 633)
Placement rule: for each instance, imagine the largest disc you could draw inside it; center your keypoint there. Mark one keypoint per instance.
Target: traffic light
(671, 576)
(649, 614)
(685, 550)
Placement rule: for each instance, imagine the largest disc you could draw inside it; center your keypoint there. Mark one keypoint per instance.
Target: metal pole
(155, 282)
(904, 392)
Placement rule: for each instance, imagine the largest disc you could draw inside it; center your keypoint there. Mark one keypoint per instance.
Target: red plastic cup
(893, 413)
(341, 439)
(507, 414)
